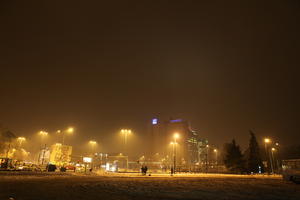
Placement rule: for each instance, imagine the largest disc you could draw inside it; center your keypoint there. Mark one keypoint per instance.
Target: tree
(253, 157)
(233, 160)
(6, 138)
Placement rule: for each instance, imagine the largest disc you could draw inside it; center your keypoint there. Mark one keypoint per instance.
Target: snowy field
(44, 186)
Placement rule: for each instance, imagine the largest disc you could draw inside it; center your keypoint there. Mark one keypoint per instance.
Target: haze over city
(204, 87)
(120, 65)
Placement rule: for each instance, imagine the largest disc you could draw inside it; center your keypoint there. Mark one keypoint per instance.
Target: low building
(60, 154)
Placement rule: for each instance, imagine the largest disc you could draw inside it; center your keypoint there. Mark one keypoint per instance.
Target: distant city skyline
(101, 67)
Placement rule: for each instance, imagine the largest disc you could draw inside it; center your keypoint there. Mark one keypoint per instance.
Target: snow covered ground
(45, 186)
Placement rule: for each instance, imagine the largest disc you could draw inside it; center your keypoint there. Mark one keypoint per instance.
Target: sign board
(87, 159)
(154, 121)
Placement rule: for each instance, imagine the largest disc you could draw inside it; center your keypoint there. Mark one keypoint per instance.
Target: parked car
(5, 163)
(70, 168)
(51, 168)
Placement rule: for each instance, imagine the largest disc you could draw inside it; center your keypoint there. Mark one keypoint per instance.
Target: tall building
(156, 141)
(189, 148)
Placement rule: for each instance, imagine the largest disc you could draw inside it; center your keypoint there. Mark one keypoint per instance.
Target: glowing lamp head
(176, 135)
(92, 142)
(126, 131)
(267, 140)
(43, 133)
(215, 150)
(70, 130)
(21, 139)
(273, 149)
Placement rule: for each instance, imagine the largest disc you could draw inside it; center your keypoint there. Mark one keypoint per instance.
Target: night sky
(226, 66)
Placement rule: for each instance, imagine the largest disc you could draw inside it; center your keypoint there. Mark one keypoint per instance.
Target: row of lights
(268, 140)
(128, 131)
(69, 130)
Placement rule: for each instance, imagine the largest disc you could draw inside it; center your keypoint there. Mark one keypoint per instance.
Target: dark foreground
(32, 187)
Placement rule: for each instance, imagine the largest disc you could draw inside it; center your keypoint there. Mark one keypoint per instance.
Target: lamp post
(267, 141)
(43, 134)
(216, 152)
(175, 136)
(277, 156)
(273, 150)
(174, 156)
(93, 144)
(70, 130)
(125, 133)
(206, 163)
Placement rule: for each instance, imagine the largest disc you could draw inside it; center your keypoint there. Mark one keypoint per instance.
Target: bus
(291, 170)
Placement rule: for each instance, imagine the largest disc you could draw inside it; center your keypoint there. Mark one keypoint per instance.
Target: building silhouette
(190, 149)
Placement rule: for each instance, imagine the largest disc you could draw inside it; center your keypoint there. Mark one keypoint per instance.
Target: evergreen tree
(233, 160)
(254, 160)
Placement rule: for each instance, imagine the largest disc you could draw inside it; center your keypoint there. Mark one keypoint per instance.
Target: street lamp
(277, 155)
(174, 155)
(206, 163)
(216, 152)
(175, 136)
(273, 150)
(125, 133)
(70, 130)
(267, 141)
(21, 140)
(43, 134)
(93, 144)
